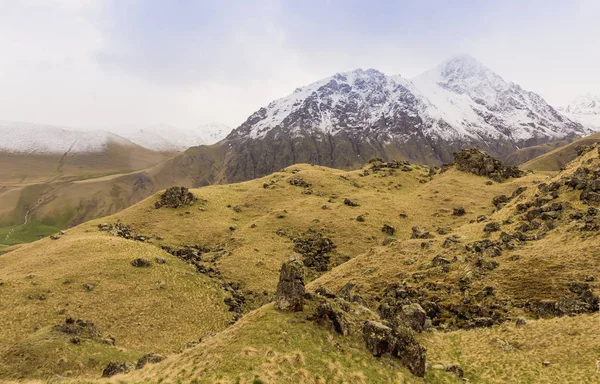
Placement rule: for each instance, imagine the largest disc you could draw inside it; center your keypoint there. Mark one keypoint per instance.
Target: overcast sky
(189, 62)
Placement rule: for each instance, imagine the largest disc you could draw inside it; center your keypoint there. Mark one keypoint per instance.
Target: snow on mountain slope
(459, 100)
(20, 137)
(586, 110)
(157, 137)
(213, 132)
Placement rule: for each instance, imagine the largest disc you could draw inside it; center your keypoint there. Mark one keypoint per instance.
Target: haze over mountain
(586, 110)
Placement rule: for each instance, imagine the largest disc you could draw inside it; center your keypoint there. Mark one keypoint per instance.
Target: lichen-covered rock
(290, 289)
(414, 316)
(479, 163)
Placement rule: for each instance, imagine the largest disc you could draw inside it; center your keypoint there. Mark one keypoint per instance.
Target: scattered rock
(420, 233)
(290, 289)
(360, 218)
(492, 227)
(351, 203)
(298, 181)
(459, 211)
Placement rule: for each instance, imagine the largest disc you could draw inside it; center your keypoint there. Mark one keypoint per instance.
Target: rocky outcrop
(175, 197)
(477, 162)
(290, 289)
(315, 248)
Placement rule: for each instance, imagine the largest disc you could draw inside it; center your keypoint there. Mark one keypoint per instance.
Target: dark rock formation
(479, 163)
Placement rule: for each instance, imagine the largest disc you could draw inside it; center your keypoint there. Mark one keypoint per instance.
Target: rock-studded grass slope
(214, 264)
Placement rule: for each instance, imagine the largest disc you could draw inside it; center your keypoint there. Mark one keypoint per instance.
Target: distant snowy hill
(586, 110)
(20, 137)
(167, 138)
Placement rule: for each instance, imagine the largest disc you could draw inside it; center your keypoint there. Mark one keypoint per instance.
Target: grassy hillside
(559, 157)
(476, 287)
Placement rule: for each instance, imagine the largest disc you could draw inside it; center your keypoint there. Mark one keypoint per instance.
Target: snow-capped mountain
(460, 99)
(586, 110)
(31, 138)
(347, 118)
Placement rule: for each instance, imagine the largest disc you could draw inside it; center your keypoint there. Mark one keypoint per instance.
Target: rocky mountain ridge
(345, 119)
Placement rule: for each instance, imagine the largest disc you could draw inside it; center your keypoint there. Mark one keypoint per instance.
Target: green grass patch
(25, 233)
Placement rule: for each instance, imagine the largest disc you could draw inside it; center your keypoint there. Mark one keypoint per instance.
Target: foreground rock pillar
(290, 289)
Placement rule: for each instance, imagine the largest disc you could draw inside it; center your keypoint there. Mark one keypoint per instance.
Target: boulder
(289, 295)
(388, 230)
